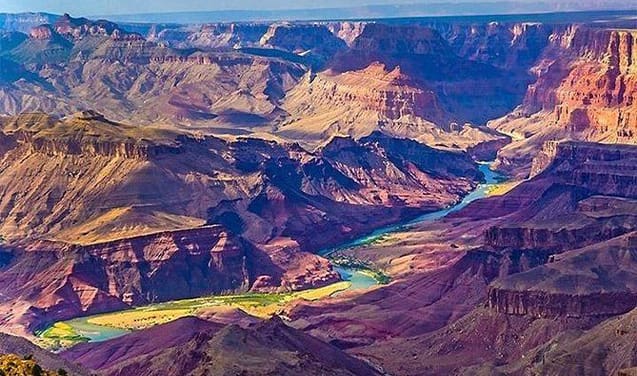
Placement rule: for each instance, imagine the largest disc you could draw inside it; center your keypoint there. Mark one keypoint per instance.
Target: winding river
(491, 178)
(358, 279)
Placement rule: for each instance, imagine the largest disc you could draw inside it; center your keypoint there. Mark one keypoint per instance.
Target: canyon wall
(59, 281)
(585, 89)
(588, 232)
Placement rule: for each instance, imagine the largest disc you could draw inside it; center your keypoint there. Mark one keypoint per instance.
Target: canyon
(110, 210)
(253, 158)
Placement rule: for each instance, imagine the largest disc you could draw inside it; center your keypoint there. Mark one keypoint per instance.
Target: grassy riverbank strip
(262, 305)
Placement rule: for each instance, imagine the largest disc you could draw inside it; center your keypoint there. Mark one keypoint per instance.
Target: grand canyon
(452, 195)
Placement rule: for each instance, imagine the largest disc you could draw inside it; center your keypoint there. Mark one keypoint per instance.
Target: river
(481, 191)
(359, 280)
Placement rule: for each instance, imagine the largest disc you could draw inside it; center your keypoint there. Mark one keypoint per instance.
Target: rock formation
(585, 89)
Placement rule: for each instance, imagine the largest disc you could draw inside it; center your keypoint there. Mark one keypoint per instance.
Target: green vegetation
(13, 365)
(62, 331)
(60, 335)
(255, 304)
(364, 267)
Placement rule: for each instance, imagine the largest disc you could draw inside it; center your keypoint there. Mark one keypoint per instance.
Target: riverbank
(111, 325)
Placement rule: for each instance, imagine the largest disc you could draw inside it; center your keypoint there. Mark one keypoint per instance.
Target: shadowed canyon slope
(269, 348)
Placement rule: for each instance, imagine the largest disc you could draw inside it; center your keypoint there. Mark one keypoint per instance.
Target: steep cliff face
(600, 168)
(600, 98)
(565, 288)
(405, 80)
(50, 281)
(511, 46)
(79, 134)
(589, 205)
(60, 280)
(216, 262)
(563, 215)
(439, 67)
(359, 102)
(612, 342)
(585, 90)
(347, 31)
(556, 239)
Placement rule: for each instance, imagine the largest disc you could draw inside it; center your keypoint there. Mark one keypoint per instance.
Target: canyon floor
(423, 196)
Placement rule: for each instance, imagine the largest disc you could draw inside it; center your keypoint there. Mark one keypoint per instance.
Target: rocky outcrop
(75, 135)
(542, 304)
(568, 173)
(376, 92)
(597, 64)
(556, 239)
(600, 168)
(42, 32)
(544, 158)
(77, 28)
(215, 261)
(315, 39)
(88, 147)
(347, 31)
